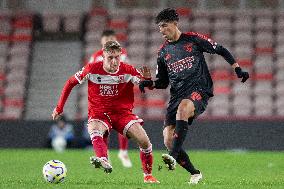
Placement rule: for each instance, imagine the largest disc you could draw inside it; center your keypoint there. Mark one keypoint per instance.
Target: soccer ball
(54, 171)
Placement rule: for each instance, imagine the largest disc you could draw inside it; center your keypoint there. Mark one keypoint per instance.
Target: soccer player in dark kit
(181, 64)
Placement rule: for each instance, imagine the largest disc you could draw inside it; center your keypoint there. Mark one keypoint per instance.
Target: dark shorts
(199, 99)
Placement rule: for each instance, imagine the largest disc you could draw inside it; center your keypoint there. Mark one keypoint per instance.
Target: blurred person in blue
(61, 135)
(85, 140)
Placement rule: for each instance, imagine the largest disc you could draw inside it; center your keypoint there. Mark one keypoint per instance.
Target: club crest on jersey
(188, 47)
(121, 79)
(168, 57)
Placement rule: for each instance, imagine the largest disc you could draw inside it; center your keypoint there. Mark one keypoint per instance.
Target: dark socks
(179, 137)
(177, 152)
(184, 161)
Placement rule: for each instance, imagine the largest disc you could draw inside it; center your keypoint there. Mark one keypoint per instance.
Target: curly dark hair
(167, 15)
(107, 33)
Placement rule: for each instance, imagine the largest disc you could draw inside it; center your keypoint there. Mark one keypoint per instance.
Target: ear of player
(241, 74)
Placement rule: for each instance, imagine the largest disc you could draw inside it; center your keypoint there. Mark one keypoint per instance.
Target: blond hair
(112, 46)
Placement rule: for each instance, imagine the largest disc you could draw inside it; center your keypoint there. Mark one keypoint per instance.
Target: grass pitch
(221, 169)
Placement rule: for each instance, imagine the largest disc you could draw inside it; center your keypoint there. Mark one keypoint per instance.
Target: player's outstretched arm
(230, 59)
(208, 45)
(70, 83)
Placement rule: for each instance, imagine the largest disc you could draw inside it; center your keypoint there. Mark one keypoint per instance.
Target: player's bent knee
(145, 144)
(96, 126)
(185, 110)
(137, 132)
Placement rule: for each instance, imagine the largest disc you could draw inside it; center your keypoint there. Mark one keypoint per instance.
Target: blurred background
(44, 42)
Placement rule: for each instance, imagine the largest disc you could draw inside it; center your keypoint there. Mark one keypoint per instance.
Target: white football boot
(101, 163)
(195, 179)
(169, 161)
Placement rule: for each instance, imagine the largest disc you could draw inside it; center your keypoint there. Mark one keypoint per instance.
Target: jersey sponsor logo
(181, 65)
(108, 90)
(188, 47)
(195, 96)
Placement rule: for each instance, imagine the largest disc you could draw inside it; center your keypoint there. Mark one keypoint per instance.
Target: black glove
(241, 74)
(145, 83)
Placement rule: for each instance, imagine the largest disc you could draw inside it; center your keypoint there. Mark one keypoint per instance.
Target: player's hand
(55, 115)
(145, 83)
(241, 74)
(146, 72)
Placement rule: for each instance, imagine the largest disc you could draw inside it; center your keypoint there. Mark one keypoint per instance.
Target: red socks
(147, 160)
(123, 142)
(99, 146)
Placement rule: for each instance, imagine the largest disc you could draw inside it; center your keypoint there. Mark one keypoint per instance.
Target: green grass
(221, 169)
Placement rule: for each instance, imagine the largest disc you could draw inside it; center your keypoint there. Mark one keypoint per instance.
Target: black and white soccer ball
(54, 171)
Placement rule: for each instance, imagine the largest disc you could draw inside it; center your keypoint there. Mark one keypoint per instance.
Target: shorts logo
(195, 96)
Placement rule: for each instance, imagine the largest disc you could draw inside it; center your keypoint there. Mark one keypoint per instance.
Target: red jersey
(107, 92)
(98, 56)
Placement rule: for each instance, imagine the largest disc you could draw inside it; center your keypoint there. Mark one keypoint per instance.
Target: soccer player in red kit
(110, 104)
(109, 35)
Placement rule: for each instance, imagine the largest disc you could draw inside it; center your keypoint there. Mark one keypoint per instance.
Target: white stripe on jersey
(99, 59)
(108, 79)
